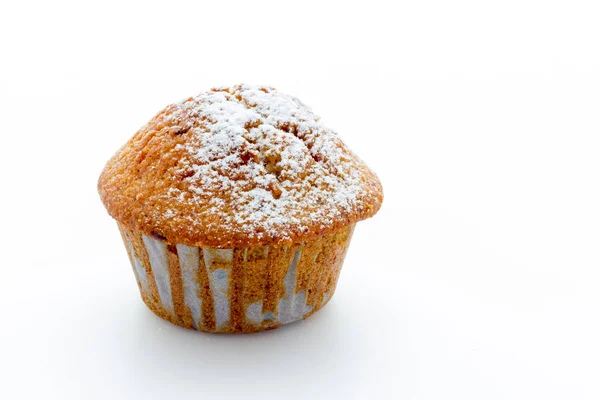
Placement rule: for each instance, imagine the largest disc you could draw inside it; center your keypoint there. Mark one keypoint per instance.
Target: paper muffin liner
(236, 290)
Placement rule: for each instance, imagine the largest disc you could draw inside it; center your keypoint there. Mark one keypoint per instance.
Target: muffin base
(236, 290)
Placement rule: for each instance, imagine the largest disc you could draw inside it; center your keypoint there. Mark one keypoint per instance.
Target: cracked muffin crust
(237, 166)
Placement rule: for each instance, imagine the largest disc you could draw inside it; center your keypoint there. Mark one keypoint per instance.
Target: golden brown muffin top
(234, 167)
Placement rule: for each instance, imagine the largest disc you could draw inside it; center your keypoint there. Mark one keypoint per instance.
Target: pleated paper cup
(236, 290)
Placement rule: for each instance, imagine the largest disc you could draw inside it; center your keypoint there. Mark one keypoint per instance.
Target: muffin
(236, 208)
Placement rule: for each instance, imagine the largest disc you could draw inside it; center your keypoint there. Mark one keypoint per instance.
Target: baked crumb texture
(236, 290)
(236, 167)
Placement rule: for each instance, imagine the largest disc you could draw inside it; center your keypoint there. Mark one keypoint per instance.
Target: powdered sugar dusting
(262, 162)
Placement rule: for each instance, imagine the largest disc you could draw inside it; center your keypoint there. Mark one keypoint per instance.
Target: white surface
(479, 279)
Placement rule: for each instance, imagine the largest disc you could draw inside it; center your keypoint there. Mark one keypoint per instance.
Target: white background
(479, 278)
